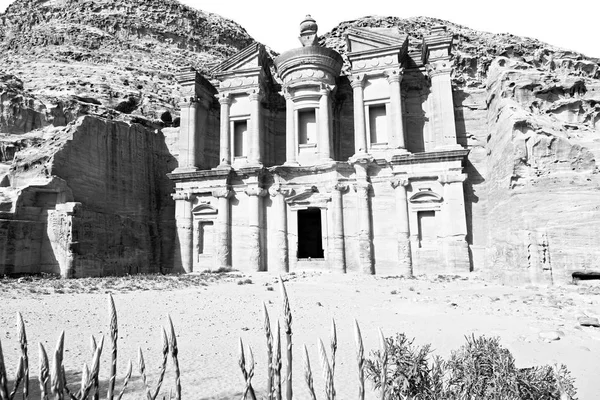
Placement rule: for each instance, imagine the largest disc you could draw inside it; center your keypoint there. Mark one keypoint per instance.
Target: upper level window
(307, 126)
(240, 130)
(378, 128)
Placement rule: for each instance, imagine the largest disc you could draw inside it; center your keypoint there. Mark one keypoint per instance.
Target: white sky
(573, 24)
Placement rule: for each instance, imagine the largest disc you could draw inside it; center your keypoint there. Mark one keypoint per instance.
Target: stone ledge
(432, 156)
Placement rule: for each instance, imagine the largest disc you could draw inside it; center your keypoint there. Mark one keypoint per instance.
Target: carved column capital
(255, 95)
(340, 187)
(357, 81)
(183, 195)
(451, 178)
(362, 186)
(399, 182)
(222, 193)
(436, 68)
(394, 75)
(287, 94)
(255, 191)
(224, 98)
(276, 189)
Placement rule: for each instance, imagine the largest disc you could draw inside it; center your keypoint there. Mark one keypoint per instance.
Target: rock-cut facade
(288, 163)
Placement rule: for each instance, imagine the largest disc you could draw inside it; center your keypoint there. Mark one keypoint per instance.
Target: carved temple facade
(287, 163)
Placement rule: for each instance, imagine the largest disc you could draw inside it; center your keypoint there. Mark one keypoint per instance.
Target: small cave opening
(585, 275)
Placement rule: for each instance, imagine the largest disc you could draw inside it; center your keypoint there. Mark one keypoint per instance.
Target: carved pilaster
(360, 131)
(225, 146)
(279, 194)
(403, 228)
(255, 194)
(338, 248)
(365, 244)
(185, 235)
(394, 77)
(223, 251)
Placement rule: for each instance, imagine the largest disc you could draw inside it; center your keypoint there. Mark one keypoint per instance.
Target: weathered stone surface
(589, 321)
(92, 199)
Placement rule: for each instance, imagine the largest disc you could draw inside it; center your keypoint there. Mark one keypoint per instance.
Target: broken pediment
(251, 58)
(365, 39)
(308, 197)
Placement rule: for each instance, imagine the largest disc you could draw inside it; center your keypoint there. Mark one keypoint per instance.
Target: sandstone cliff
(85, 87)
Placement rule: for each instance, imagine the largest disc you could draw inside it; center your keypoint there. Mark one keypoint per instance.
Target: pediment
(309, 197)
(204, 209)
(250, 58)
(365, 39)
(426, 196)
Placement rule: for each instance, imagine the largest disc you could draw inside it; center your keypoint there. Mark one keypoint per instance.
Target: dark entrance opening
(586, 276)
(310, 238)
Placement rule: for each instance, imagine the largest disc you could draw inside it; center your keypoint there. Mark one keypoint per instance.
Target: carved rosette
(394, 75)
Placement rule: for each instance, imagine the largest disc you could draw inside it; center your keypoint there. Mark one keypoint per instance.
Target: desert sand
(211, 313)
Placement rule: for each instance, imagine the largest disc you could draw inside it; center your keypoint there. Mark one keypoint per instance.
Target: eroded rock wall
(113, 213)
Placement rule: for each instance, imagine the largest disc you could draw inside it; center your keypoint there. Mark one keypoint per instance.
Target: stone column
(225, 149)
(255, 130)
(185, 230)
(360, 131)
(365, 245)
(394, 78)
(338, 248)
(223, 245)
(324, 133)
(187, 133)
(291, 144)
(442, 105)
(254, 194)
(281, 229)
(403, 227)
(455, 248)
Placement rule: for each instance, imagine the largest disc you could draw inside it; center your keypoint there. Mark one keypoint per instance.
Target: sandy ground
(211, 313)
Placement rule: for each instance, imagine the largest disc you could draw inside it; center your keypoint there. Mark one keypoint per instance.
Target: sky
(571, 24)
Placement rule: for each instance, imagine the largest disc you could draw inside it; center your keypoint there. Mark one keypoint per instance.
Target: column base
(291, 164)
(224, 166)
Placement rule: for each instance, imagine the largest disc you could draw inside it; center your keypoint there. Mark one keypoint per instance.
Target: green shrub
(479, 370)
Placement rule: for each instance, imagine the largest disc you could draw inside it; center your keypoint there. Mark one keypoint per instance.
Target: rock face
(91, 199)
(84, 86)
(528, 112)
(530, 115)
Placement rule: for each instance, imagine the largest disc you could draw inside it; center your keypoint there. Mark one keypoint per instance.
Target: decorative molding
(222, 193)
(183, 195)
(451, 178)
(277, 189)
(357, 81)
(224, 98)
(394, 75)
(399, 182)
(255, 191)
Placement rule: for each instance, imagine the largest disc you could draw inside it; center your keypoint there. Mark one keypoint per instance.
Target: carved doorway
(310, 236)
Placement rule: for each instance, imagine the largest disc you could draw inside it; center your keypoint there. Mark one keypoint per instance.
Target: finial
(308, 31)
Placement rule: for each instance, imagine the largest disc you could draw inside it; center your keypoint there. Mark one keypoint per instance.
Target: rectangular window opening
(240, 129)
(378, 124)
(307, 126)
